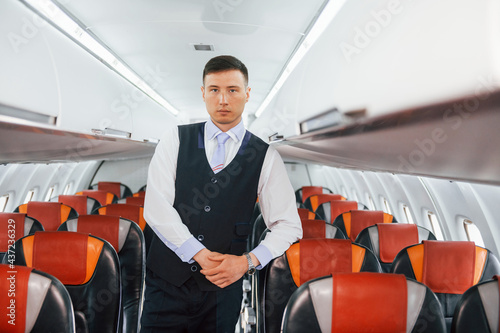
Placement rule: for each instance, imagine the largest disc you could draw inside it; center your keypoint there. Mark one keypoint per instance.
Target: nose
(222, 98)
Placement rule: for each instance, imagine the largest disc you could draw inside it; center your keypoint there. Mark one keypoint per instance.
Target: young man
(203, 182)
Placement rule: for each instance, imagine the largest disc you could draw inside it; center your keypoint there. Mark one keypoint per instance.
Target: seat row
(289, 293)
(100, 263)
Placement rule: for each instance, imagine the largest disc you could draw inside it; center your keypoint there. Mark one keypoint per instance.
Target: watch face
(251, 271)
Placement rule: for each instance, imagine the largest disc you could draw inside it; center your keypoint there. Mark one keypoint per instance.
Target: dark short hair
(225, 63)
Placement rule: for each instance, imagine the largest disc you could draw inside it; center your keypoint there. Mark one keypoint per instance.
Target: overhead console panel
(458, 139)
(21, 143)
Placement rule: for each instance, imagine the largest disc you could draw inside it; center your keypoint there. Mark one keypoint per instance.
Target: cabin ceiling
(158, 36)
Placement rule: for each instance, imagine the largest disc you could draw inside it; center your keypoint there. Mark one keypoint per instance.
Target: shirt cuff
(263, 254)
(188, 249)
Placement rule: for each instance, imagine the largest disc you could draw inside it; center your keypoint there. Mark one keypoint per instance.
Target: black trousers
(187, 309)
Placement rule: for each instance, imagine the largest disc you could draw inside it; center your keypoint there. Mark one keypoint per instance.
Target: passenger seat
(363, 302)
(86, 265)
(387, 239)
(14, 226)
(128, 241)
(84, 205)
(306, 214)
(306, 191)
(306, 260)
(313, 201)
(478, 310)
(104, 197)
(49, 214)
(117, 188)
(137, 201)
(352, 222)
(133, 213)
(320, 229)
(38, 303)
(448, 268)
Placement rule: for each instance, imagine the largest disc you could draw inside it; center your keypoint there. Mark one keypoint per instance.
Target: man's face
(225, 95)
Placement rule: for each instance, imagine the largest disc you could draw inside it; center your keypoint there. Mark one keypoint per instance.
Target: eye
(214, 90)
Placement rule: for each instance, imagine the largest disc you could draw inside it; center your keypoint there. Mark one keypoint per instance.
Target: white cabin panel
(133, 172)
(400, 54)
(485, 212)
(298, 175)
(44, 72)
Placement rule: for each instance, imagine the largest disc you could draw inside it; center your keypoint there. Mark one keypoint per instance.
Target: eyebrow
(216, 86)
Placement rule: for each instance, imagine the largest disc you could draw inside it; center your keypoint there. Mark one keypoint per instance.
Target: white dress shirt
(276, 197)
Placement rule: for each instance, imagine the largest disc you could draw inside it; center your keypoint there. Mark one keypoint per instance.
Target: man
(201, 212)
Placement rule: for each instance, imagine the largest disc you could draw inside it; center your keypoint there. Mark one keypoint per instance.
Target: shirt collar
(236, 133)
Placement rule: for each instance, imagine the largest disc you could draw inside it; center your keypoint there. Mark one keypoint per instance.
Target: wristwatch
(251, 267)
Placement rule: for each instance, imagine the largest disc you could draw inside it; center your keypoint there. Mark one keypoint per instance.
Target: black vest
(217, 208)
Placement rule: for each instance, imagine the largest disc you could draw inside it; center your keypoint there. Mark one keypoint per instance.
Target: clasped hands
(223, 269)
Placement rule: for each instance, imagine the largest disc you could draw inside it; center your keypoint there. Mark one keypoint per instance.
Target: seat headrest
(306, 214)
(103, 197)
(50, 214)
(102, 226)
(11, 229)
(318, 199)
(312, 258)
(77, 202)
(357, 220)
(131, 212)
(307, 191)
(363, 302)
(113, 187)
(393, 237)
(137, 201)
(313, 229)
(449, 267)
(69, 256)
(338, 207)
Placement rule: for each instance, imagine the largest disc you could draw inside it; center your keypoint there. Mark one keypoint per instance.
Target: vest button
(201, 238)
(194, 268)
(207, 209)
(214, 180)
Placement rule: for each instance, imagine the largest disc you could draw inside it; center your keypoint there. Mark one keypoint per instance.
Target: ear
(248, 93)
(203, 93)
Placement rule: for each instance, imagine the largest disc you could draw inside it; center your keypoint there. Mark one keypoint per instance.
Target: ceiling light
(330, 10)
(67, 25)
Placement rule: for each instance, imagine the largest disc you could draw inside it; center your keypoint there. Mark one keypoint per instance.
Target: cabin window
(407, 212)
(3, 202)
(436, 228)
(386, 205)
(472, 232)
(372, 204)
(67, 188)
(49, 193)
(29, 196)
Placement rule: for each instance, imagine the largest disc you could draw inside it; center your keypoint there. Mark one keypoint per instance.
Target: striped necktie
(217, 162)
